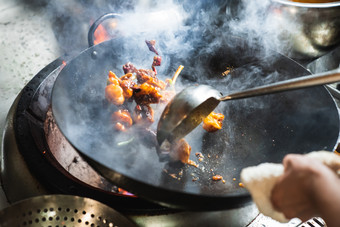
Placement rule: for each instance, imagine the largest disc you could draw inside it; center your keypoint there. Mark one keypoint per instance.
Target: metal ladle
(193, 104)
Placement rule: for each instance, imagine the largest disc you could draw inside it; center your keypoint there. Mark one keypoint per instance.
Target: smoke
(265, 23)
(165, 23)
(179, 25)
(195, 34)
(169, 21)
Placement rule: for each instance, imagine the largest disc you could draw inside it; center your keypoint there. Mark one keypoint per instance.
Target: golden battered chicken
(213, 122)
(114, 94)
(143, 115)
(180, 151)
(122, 120)
(127, 85)
(147, 94)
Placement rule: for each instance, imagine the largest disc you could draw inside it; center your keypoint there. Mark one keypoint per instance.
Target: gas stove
(33, 142)
(31, 158)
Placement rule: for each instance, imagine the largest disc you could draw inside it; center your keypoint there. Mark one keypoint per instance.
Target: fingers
(290, 184)
(293, 192)
(276, 195)
(291, 160)
(299, 163)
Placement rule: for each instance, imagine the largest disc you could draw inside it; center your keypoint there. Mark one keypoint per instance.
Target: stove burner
(29, 158)
(69, 158)
(31, 114)
(38, 143)
(25, 136)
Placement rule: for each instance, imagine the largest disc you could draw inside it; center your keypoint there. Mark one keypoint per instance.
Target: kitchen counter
(27, 45)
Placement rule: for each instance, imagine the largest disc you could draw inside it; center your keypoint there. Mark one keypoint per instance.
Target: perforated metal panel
(61, 210)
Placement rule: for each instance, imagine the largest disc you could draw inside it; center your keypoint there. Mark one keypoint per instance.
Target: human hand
(307, 189)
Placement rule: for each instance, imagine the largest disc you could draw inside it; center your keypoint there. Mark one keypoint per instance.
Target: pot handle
(94, 26)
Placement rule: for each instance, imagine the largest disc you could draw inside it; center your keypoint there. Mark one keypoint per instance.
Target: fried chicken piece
(122, 120)
(149, 76)
(143, 115)
(157, 83)
(129, 68)
(127, 85)
(146, 94)
(113, 79)
(180, 151)
(114, 94)
(143, 75)
(127, 76)
(124, 82)
(213, 122)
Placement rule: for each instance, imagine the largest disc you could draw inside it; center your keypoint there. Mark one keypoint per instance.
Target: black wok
(256, 130)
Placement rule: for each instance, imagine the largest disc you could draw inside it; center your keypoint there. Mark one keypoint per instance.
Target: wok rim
(309, 5)
(244, 196)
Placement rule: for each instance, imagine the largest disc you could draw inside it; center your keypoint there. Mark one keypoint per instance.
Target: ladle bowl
(193, 104)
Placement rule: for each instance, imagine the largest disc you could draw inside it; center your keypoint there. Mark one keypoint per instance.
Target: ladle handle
(286, 85)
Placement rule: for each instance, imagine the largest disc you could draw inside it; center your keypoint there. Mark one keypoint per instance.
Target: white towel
(260, 180)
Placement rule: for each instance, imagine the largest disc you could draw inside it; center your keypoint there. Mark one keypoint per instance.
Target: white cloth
(260, 180)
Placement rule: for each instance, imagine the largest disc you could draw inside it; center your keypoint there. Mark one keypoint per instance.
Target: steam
(163, 23)
(179, 25)
(167, 18)
(266, 23)
(254, 22)
(181, 30)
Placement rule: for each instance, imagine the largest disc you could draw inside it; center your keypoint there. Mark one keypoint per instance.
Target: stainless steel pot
(309, 29)
(302, 31)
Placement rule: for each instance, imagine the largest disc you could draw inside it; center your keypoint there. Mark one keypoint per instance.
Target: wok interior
(255, 130)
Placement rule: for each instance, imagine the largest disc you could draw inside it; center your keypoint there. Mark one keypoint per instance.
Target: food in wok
(133, 94)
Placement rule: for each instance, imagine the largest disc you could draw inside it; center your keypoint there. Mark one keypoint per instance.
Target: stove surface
(28, 44)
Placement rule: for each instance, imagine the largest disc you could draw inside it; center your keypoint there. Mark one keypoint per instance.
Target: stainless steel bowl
(309, 30)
